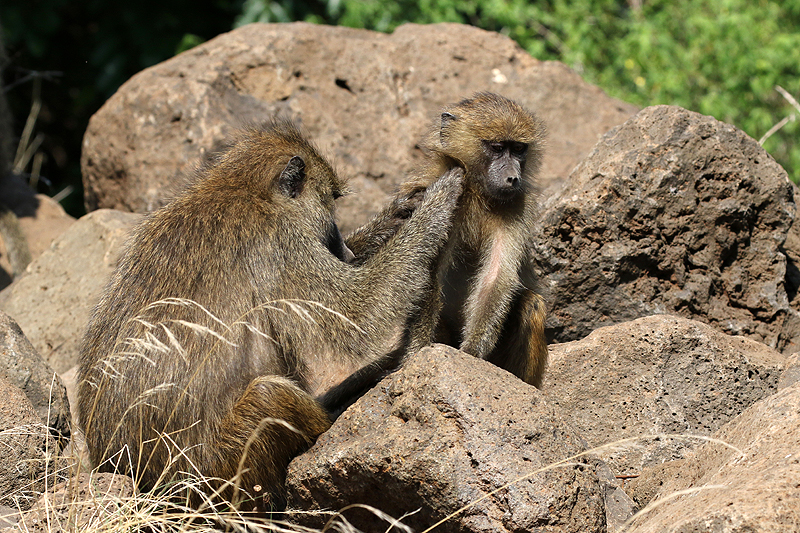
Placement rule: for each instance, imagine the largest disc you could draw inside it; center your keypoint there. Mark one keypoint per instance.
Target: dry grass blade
(569, 461)
(652, 505)
(185, 302)
(339, 523)
(791, 118)
(27, 147)
(167, 509)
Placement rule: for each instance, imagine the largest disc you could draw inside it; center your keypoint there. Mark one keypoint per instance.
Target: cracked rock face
(27, 461)
(672, 212)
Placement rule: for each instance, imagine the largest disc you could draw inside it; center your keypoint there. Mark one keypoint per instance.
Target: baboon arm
(491, 294)
(365, 241)
(399, 276)
(341, 396)
(522, 347)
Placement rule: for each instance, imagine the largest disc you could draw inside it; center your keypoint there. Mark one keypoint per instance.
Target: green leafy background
(719, 57)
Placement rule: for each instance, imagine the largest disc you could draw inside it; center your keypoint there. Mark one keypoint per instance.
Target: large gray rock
(364, 97)
(23, 367)
(657, 375)
(673, 212)
(446, 431)
(52, 301)
(28, 450)
(754, 487)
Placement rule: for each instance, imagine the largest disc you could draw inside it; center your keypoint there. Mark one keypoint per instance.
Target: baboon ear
(447, 118)
(293, 177)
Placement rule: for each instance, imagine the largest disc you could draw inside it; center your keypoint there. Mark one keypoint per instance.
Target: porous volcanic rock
(791, 248)
(28, 450)
(673, 212)
(754, 486)
(364, 97)
(653, 376)
(791, 374)
(25, 368)
(446, 431)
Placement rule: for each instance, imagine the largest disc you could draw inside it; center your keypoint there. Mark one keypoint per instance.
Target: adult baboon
(489, 306)
(232, 306)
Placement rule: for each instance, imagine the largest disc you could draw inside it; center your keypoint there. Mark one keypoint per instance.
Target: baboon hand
(403, 207)
(434, 216)
(446, 190)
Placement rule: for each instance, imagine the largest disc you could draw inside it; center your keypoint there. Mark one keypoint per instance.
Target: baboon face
(337, 246)
(496, 141)
(292, 184)
(505, 164)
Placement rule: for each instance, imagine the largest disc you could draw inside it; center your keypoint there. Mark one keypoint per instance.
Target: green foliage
(718, 57)
(94, 46)
(285, 11)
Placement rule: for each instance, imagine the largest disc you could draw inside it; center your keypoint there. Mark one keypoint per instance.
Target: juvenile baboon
(232, 306)
(489, 306)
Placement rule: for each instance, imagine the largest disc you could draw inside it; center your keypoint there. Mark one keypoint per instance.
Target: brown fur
(246, 252)
(489, 306)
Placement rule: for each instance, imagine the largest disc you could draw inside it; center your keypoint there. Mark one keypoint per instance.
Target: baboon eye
(496, 147)
(519, 149)
(337, 195)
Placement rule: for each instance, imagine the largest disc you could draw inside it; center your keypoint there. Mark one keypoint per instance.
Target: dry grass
(85, 501)
(789, 118)
(106, 507)
(161, 337)
(28, 152)
(93, 504)
(167, 508)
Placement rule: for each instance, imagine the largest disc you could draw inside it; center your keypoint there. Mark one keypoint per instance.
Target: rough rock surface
(673, 212)
(45, 225)
(28, 450)
(52, 301)
(791, 374)
(364, 97)
(657, 375)
(8, 518)
(87, 502)
(792, 250)
(755, 490)
(444, 432)
(41, 219)
(23, 367)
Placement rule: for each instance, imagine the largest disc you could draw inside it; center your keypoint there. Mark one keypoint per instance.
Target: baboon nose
(512, 181)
